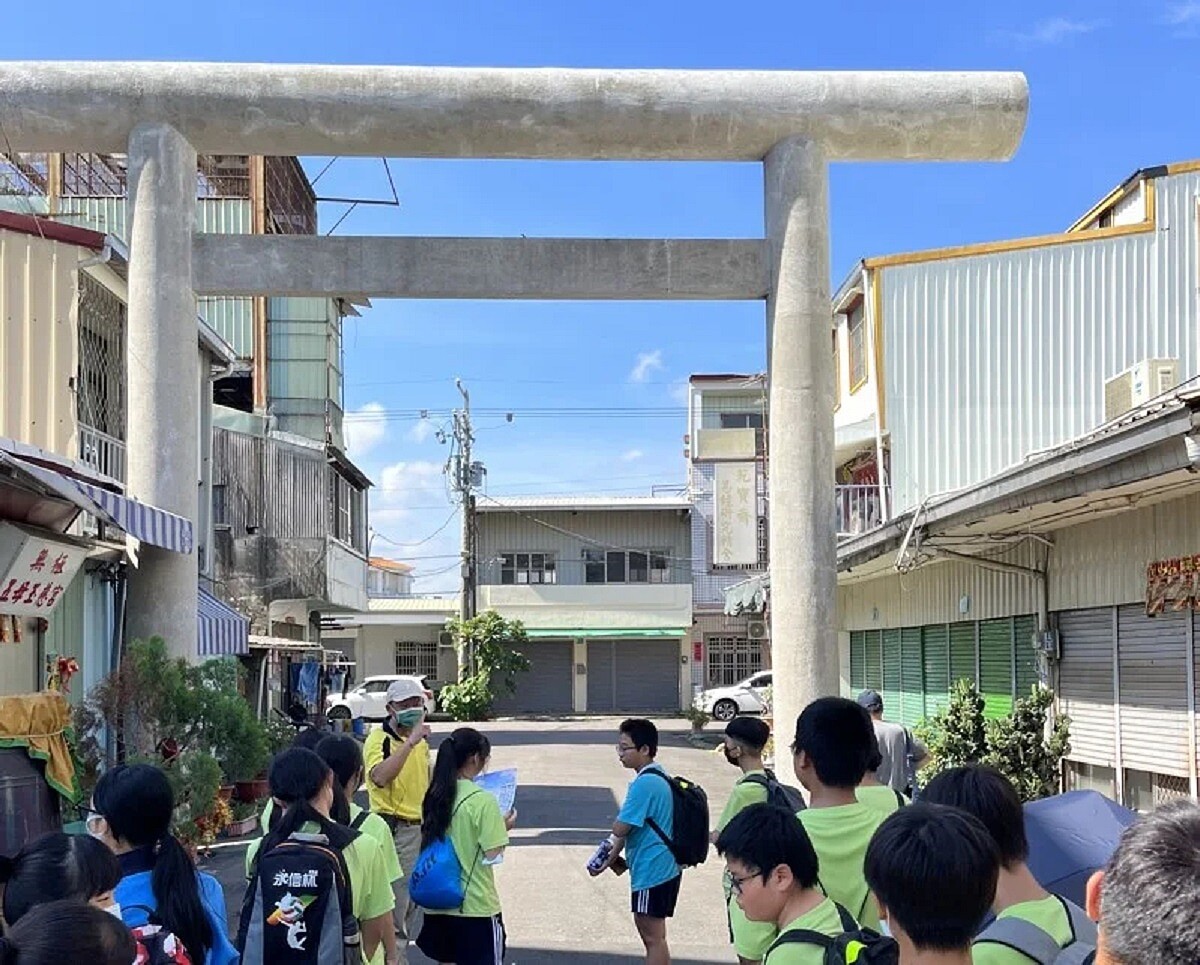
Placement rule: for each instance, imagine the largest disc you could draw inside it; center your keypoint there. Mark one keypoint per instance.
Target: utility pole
(464, 478)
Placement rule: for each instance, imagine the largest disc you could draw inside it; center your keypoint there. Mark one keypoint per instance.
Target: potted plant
(697, 718)
(244, 820)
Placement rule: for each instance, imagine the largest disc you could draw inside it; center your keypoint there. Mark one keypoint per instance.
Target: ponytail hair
(54, 867)
(70, 932)
(452, 756)
(296, 777)
(345, 758)
(137, 803)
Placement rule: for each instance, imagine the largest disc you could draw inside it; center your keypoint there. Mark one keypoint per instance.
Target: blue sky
(1112, 87)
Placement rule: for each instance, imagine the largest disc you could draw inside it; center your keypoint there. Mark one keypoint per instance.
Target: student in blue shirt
(653, 872)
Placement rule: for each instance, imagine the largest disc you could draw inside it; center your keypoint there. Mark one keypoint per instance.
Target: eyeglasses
(90, 816)
(625, 748)
(734, 883)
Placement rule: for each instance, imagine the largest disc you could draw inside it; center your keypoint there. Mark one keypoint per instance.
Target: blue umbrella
(1070, 836)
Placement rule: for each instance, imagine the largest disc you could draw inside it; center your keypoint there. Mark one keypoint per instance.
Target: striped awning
(154, 526)
(223, 632)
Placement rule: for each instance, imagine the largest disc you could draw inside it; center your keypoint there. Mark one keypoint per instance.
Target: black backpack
(299, 908)
(778, 795)
(689, 840)
(860, 946)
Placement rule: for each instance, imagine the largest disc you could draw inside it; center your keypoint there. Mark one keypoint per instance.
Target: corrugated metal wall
(39, 343)
(1010, 350)
(932, 594)
(506, 532)
(280, 488)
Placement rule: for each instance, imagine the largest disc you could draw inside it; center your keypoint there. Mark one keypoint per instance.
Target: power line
(532, 412)
(419, 542)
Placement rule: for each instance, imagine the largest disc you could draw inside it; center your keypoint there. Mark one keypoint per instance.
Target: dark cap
(871, 700)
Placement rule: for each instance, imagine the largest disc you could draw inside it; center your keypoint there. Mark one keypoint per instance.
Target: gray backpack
(1040, 947)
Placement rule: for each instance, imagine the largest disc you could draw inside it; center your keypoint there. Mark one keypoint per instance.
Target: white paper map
(502, 785)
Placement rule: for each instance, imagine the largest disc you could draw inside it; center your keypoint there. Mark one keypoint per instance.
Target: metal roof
(493, 504)
(413, 604)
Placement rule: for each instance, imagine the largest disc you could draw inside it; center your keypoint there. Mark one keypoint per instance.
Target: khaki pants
(406, 916)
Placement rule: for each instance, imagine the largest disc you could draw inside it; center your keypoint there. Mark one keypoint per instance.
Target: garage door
(1085, 684)
(633, 676)
(547, 686)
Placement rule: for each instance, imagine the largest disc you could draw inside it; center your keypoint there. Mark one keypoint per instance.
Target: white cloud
(365, 429)
(1052, 31)
(681, 392)
(420, 431)
(1185, 16)
(646, 363)
(632, 455)
(408, 506)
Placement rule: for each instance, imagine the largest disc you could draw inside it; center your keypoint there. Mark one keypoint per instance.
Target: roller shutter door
(893, 680)
(547, 687)
(936, 641)
(962, 652)
(1152, 655)
(601, 687)
(647, 675)
(874, 660)
(1024, 629)
(996, 666)
(1085, 683)
(912, 677)
(858, 658)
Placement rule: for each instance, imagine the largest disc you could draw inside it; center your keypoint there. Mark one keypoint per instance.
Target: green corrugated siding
(962, 651)
(858, 656)
(912, 700)
(874, 659)
(893, 681)
(996, 666)
(1027, 674)
(936, 641)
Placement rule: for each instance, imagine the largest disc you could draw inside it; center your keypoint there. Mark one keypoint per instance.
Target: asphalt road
(571, 785)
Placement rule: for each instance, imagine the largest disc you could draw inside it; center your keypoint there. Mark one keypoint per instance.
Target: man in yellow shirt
(988, 795)
(933, 871)
(396, 757)
(833, 746)
(772, 870)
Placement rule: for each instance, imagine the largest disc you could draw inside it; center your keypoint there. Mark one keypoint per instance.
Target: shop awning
(223, 632)
(607, 633)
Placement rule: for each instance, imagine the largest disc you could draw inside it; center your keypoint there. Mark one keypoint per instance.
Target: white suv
(744, 697)
(369, 699)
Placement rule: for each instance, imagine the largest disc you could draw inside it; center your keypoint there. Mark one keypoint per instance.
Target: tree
(490, 644)
(955, 735)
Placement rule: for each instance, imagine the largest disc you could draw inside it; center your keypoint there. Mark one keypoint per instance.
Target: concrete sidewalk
(571, 785)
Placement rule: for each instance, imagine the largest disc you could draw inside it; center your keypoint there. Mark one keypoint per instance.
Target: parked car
(369, 699)
(744, 697)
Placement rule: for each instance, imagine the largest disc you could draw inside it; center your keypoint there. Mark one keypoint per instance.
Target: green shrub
(488, 643)
(469, 699)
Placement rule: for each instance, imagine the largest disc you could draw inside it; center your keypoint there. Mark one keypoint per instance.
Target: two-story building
(1029, 432)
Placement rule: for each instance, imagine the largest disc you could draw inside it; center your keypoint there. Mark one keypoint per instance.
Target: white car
(744, 697)
(369, 699)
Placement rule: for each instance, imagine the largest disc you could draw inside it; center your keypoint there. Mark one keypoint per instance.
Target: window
(521, 569)
(626, 566)
(857, 330)
(731, 659)
(376, 686)
(741, 420)
(416, 659)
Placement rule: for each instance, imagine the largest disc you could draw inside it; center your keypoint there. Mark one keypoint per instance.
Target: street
(571, 787)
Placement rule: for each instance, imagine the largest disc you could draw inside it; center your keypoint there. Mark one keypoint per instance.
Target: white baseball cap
(404, 689)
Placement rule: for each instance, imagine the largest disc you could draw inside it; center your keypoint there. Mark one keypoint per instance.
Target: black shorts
(464, 941)
(659, 901)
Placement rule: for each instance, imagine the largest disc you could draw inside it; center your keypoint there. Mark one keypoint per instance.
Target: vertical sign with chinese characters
(735, 515)
(34, 571)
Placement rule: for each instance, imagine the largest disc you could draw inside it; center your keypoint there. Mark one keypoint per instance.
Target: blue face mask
(408, 718)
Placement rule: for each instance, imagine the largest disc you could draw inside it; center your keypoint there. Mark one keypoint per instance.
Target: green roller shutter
(936, 641)
(874, 659)
(1027, 674)
(996, 666)
(912, 701)
(858, 656)
(892, 680)
(962, 652)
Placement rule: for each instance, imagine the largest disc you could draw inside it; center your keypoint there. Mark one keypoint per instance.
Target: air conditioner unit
(757, 629)
(446, 640)
(1138, 384)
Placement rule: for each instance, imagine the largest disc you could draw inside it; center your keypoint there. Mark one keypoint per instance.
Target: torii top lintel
(535, 113)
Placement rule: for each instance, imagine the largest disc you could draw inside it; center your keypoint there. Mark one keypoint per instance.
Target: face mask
(731, 756)
(115, 910)
(408, 718)
(883, 928)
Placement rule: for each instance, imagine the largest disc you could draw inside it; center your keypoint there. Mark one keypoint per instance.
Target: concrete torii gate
(794, 123)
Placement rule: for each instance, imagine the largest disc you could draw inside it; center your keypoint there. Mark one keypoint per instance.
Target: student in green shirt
(745, 738)
(833, 745)
(772, 870)
(304, 787)
(457, 808)
(988, 795)
(933, 871)
(873, 792)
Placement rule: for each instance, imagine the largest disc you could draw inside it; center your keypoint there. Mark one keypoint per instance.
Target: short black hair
(934, 869)
(988, 795)
(642, 732)
(1151, 889)
(837, 734)
(750, 731)
(764, 836)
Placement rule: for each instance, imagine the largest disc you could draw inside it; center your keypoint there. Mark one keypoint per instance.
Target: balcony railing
(102, 452)
(859, 510)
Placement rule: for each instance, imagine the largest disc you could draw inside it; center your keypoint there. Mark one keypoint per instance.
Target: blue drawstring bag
(436, 879)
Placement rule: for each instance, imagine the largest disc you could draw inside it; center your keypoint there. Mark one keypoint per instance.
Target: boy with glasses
(654, 876)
